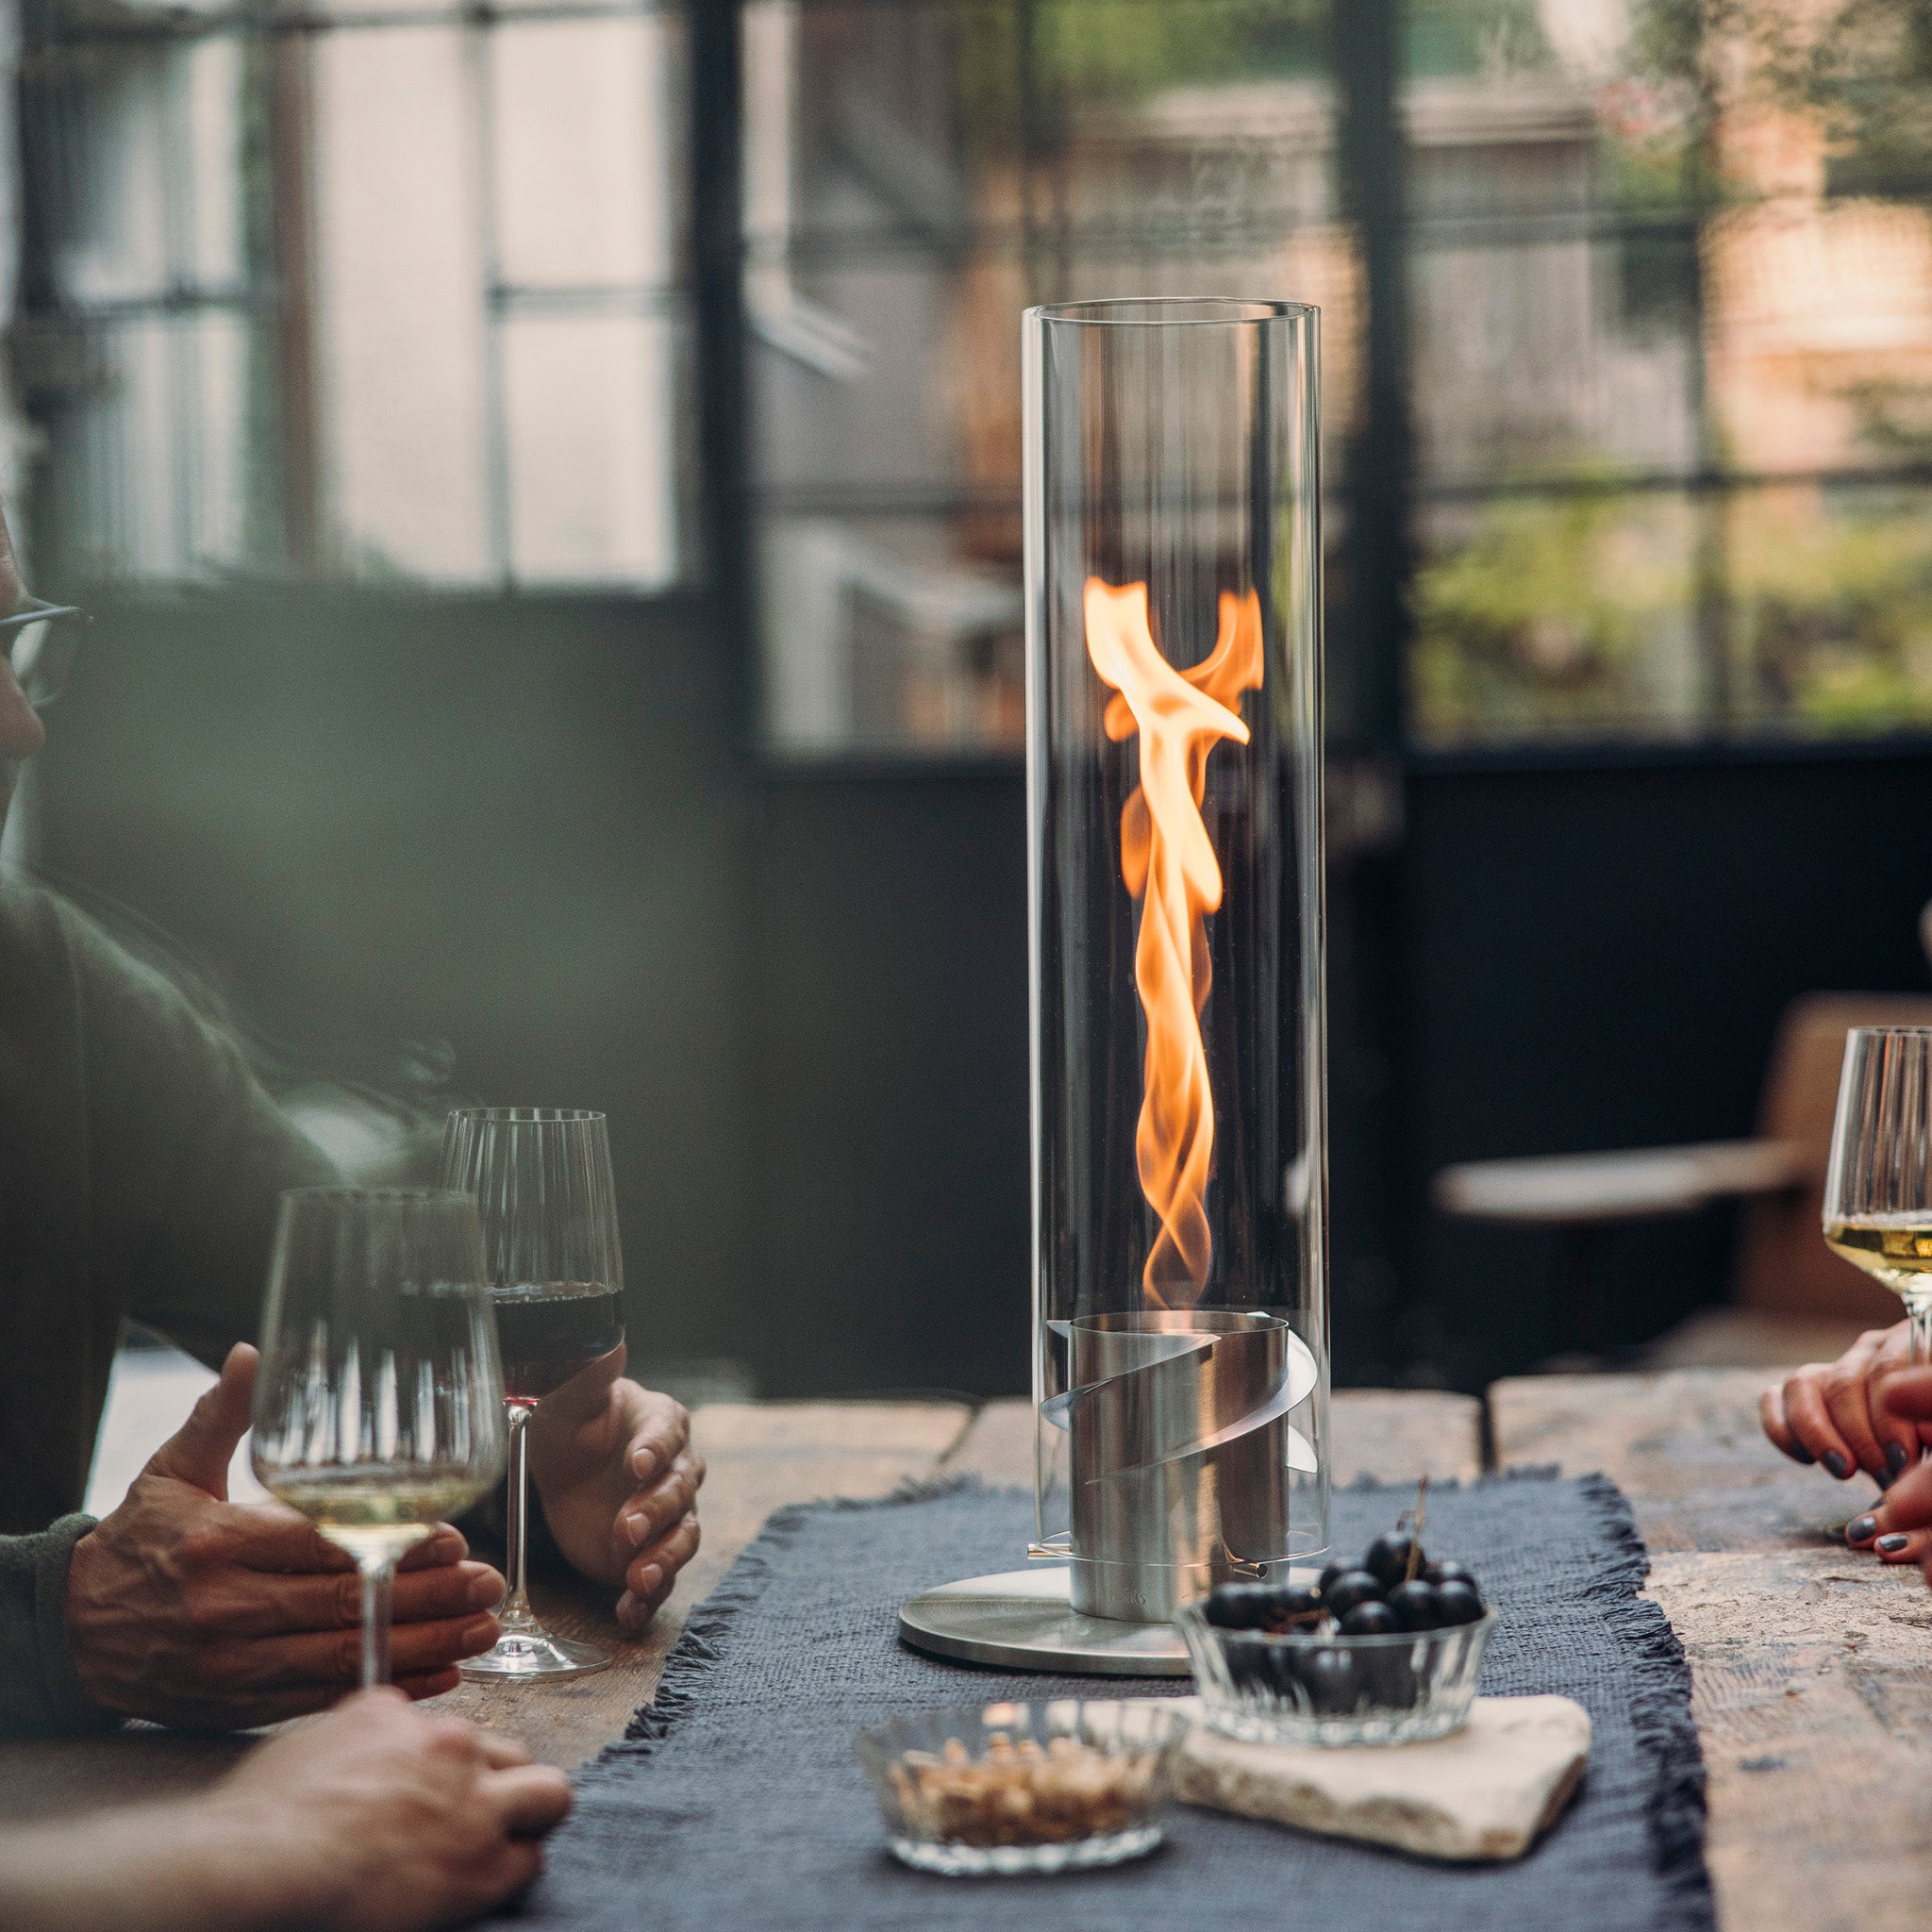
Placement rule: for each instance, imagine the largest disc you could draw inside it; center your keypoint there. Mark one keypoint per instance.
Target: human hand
(1898, 1529)
(619, 1482)
(191, 1609)
(377, 1818)
(1840, 1414)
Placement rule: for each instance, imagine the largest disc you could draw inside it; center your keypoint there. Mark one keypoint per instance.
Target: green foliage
(1868, 76)
(1089, 51)
(1838, 604)
(1561, 616)
(1544, 618)
(1448, 37)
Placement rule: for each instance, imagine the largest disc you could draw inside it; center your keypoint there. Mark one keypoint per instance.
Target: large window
(1664, 359)
(917, 174)
(1672, 364)
(1627, 332)
(382, 292)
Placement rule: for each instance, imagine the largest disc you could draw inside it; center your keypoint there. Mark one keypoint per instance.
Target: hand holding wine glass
(1878, 1180)
(378, 1399)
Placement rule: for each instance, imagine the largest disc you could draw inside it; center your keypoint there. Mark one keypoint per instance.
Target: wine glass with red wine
(541, 1179)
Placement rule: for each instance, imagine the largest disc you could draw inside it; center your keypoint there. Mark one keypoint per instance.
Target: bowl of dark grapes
(1383, 1651)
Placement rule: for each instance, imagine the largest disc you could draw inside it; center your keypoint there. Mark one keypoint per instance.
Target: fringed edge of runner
(1660, 1704)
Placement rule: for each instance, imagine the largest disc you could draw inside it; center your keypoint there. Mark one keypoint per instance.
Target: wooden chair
(1792, 1297)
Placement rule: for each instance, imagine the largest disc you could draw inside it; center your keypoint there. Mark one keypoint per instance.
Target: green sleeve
(189, 1157)
(40, 1691)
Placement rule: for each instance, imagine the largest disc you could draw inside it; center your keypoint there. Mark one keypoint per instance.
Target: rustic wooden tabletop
(1813, 1669)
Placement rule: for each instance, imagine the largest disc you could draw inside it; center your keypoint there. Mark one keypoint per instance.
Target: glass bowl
(1297, 1689)
(1058, 1786)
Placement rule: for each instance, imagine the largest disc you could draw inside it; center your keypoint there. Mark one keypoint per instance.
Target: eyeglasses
(41, 654)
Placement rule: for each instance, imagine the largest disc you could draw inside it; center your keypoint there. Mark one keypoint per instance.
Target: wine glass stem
(515, 1613)
(377, 1570)
(1921, 1314)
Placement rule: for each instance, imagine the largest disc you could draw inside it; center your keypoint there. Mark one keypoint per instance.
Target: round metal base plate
(1023, 1620)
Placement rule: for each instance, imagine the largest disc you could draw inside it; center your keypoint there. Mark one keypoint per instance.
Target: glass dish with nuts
(1056, 1785)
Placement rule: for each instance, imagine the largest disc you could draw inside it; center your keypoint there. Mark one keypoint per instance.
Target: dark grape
(1370, 1618)
(1329, 1574)
(1237, 1606)
(1446, 1572)
(1387, 1560)
(1415, 1606)
(1389, 1676)
(1457, 1603)
(1293, 1606)
(1250, 1662)
(1329, 1681)
(1351, 1587)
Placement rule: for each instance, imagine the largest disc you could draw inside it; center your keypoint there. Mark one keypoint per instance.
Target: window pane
(917, 175)
(1553, 259)
(584, 166)
(402, 321)
(1833, 590)
(590, 402)
(149, 202)
(1820, 323)
(158, 435)
(892, 639)
(1563, 616)
(304, 285)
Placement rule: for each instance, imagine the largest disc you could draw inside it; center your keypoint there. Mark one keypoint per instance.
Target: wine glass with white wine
(378, 1399)
(1878, 1183)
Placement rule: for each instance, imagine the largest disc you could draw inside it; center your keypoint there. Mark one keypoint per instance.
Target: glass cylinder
(1174, 577)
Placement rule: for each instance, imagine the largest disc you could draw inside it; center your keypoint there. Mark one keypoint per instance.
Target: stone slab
(1482, 1796)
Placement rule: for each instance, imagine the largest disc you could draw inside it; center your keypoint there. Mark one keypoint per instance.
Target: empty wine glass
(378, 1398)
(542, 1180)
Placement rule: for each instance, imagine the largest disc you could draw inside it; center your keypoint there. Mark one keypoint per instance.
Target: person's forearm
(41, 1692)
(200, 1865)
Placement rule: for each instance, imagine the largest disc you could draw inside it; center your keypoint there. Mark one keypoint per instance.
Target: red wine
(550, 1329)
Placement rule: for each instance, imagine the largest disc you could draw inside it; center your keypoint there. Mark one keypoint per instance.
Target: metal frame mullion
(496, 452)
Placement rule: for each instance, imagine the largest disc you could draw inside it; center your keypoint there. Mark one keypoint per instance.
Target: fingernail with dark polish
(1895, 1457)
(1861, 1529)
(1798, 1453)
(1835, 1462)
(1891, 1546)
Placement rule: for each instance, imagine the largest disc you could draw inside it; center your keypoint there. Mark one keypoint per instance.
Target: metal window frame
(287, 288)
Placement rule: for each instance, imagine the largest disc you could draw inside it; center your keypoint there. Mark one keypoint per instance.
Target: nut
(1020, 1793)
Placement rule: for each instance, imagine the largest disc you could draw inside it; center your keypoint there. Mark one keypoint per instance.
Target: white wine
(372, 1508)
(1895, 1248)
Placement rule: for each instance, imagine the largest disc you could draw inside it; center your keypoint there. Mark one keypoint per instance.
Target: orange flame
(1168, 860)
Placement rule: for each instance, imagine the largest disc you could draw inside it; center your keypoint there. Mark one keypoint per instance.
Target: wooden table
(1813, 1664)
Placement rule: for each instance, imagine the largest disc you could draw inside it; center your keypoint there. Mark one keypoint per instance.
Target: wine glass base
(535, 1656)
